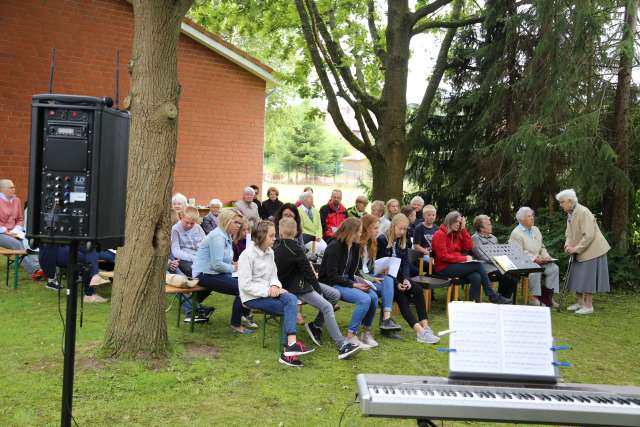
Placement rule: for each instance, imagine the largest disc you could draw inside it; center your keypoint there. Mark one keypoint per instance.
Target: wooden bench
(174, 290)
(14, 257)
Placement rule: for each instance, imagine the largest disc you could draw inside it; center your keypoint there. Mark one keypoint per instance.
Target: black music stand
(517, 256)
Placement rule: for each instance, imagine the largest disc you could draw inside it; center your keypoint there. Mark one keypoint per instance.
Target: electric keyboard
(431, 398)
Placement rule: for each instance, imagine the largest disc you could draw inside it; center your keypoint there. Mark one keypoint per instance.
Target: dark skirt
(590, 276)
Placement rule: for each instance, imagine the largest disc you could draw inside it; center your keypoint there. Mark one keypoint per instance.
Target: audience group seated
(274, 256)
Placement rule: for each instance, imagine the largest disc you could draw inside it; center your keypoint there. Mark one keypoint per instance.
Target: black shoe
(389, 325)
(53, 285)
(501, 300)
(347, 349)
(205, 311)
(394, 335)
(297, 349)
(314, 332)
(198, 319)
(292, 361)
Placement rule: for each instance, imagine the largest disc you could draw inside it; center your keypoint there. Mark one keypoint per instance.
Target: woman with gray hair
(248, 207)
(585, 242)
(529, 238)
(210, 221)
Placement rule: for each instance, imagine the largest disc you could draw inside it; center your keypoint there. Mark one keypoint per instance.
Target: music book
(391, 264)
(504, 263)
(501, 342)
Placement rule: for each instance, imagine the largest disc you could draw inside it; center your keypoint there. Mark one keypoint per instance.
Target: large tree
(137, 326)
(360, 55)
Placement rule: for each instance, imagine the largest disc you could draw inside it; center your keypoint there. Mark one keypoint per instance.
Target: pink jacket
(10, 214)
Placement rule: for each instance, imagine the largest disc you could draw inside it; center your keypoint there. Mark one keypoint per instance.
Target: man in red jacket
(449, 243)
(332, 215)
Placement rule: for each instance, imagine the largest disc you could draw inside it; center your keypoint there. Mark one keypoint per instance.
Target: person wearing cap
(210, 221)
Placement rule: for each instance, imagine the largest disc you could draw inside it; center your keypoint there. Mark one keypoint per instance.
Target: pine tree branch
(429, 9)
(332, 102)
(339, 58)
(422, 114)
(446, 24)
(373, 31)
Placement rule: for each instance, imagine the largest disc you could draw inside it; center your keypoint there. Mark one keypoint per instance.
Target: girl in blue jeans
(383, 283)
(340, 262)
(260, 289)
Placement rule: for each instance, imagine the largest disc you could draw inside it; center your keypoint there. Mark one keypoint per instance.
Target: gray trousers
(30, 262)
(326, 313)
(551, 280)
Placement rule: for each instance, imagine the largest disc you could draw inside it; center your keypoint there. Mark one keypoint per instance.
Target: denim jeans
(29, 262)
(384, 290)
(286, 305)
(332, 295)
(316, 300)
(366, 305)
(51, 256)
(225, 284)
(475, 273)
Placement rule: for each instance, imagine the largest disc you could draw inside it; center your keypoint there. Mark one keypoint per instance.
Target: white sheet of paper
(391, 264)
(501, 339)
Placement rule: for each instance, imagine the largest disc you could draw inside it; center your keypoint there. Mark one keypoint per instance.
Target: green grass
(243, 384)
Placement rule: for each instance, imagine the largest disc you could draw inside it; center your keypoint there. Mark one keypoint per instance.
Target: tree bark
(137, 326)
(620, 212)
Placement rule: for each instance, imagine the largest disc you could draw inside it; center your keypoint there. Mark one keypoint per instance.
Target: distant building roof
(356, 156)
(229, 51)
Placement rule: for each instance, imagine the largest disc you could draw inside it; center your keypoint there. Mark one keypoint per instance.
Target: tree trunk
(620, 213)
(388, 172)
(137, 327)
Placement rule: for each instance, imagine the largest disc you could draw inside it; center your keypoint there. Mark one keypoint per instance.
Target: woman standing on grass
(584, 241)
(340, 262)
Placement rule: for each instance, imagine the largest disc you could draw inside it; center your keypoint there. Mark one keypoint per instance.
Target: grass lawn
(215, 377)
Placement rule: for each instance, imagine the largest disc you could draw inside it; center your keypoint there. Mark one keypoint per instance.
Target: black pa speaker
(77, 170)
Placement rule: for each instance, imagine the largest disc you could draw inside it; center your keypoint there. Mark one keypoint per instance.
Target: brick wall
(221, 128)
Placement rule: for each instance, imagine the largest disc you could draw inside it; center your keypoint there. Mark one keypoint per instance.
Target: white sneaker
(367, 339)
(356, 341)
(585, 310)
(574, 307)
(427, 337)
(95, 298)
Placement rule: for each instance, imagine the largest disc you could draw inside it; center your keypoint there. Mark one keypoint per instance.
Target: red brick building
(221, 127)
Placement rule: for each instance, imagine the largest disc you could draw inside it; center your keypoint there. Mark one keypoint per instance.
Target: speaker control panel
(65, 202)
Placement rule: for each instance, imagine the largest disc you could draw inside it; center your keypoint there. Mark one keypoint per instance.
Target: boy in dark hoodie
(298, 277)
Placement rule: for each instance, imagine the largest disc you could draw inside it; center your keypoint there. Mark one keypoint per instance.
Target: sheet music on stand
(501, 342)
(514, 255)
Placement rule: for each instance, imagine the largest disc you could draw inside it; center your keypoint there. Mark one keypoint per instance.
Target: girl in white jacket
(260, 289)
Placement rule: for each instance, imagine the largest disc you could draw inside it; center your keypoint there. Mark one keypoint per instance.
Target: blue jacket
(214, 255)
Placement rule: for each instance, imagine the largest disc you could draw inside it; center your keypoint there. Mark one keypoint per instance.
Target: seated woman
(52, 256)
(178, 204)
(359, 209)
(213, 264)
(340, 262)
(12, 225)
(271, 205)
(186, 236)
(528, 238)
(448, 244)
(240, 240)
(260, 289)
(210, 221)
(248, 207)
(384, 284)
(394, 244)
(298, 277)
(507, 283)
(392, 209)
(289, 210)
(410, 213)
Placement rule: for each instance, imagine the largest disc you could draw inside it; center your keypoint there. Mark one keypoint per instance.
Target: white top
(256, 273)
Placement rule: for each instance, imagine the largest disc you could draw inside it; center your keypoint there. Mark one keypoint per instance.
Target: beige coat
(531, 246)
(583, 233)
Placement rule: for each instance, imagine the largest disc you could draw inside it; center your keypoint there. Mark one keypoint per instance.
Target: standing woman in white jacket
(260, 289)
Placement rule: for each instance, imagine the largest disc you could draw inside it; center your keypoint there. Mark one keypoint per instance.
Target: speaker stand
(70, 335)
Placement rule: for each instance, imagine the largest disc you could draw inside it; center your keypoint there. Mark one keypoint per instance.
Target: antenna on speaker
(52, 69)
(117, 79)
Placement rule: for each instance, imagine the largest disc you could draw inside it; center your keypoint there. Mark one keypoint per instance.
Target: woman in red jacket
(449, 243)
